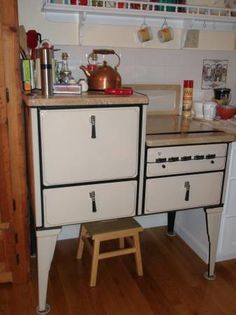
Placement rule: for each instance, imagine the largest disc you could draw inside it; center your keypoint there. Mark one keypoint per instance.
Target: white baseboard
(192, 242)
(72, 231)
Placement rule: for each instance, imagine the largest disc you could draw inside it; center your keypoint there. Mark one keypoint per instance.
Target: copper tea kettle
(101, 77)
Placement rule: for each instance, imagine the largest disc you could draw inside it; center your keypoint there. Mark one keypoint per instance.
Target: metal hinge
(17, 259)
(7, 95)
(14, 204)
(16, 238)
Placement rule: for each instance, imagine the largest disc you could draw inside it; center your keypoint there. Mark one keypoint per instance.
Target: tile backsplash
(157, 66)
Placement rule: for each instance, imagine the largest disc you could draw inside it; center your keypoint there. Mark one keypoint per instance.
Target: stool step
(111, 226)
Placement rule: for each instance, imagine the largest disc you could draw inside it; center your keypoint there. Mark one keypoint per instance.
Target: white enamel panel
(168, 193)
(230, 204)
(36, 204)
(180, 151)
(168, 168)
(227, 244)
(233, 163)
(190, 166)
(70, 205)
(71, 155)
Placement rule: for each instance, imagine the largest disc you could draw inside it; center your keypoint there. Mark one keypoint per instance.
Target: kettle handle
(107, 52)
(104, 51)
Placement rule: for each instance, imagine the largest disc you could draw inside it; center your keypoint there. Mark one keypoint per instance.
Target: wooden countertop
(85, 99)
(175, 130)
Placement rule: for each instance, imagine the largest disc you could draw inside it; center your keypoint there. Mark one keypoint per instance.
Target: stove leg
(171, 223)
(213, 219)
(46, 243)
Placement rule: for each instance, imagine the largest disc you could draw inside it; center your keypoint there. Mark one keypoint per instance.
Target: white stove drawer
(85, 203)
(185, 159)
(182, 192)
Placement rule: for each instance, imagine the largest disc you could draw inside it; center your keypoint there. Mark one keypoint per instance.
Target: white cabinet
(84, 145)
(227, 240)
(230, 202)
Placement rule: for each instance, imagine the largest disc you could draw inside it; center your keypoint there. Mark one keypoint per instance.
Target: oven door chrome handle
(187, 192)
(93, 123)
(92, 196)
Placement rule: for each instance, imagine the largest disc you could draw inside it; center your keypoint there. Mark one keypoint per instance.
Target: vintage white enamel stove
(96, 145)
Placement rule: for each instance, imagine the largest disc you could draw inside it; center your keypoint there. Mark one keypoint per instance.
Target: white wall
(161, 66)
(139, 64)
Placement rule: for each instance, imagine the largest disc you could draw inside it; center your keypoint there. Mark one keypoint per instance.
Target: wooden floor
(172, 283)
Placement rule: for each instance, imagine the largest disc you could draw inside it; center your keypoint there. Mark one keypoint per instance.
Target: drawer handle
(187, 186)
(92, 196)
(93, 123)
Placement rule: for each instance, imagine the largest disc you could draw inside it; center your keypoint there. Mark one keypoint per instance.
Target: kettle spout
(86, 71)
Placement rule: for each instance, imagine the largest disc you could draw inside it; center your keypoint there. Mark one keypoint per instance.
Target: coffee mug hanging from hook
(166, 33)
(144, 33)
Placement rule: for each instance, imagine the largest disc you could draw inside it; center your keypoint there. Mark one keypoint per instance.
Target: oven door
(183, 192)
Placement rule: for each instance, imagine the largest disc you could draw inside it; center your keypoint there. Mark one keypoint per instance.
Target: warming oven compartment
(77, 145)
(182, 192)
(163, 161)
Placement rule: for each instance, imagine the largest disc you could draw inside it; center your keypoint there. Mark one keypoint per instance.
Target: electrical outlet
(192, 39)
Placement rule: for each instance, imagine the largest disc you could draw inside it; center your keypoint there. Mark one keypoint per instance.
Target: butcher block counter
(86, 99)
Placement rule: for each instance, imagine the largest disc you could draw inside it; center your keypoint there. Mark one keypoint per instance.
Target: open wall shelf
(145, 9)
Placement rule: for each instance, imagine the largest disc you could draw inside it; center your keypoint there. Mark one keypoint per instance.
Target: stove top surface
(171, 124)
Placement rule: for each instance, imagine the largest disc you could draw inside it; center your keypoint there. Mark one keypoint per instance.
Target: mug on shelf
(166, 33)
(144, 33)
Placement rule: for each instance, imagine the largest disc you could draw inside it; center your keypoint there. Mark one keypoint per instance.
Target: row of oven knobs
(185, 158)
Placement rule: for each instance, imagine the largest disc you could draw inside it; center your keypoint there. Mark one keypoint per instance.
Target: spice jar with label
(187, 98)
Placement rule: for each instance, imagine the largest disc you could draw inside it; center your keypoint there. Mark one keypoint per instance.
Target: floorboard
(173, 283)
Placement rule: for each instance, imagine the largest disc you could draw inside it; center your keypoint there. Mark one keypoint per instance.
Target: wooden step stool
(97, 232)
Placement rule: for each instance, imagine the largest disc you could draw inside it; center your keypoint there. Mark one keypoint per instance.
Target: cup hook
(164, 23)
(144, 24)
(192, 24)
(204, 24)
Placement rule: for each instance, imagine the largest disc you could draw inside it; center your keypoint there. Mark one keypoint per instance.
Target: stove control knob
(186, 158)
(210, 156)
(198, 157)
(160, 160)
(173, 159)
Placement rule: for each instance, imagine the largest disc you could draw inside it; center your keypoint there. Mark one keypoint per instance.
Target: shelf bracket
(82, 19)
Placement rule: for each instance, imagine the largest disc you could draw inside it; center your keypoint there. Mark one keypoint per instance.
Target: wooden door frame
(13, 204)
